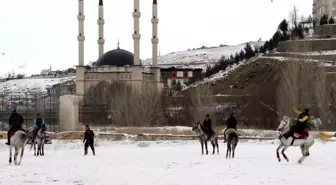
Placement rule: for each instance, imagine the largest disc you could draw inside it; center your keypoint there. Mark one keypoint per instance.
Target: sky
(35, 34)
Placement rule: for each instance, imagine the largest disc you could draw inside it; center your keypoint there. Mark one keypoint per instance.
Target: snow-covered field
(35, 85)
(168, 163)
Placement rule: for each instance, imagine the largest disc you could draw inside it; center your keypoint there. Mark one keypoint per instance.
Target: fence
(28, 105)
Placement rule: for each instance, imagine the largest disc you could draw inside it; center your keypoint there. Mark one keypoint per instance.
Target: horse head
(197, 126)
(284, 124)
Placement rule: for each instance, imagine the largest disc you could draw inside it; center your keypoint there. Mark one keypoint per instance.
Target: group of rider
(231, 122)
(15, 122)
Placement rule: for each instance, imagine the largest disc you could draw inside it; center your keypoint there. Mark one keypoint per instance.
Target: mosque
(118, 64)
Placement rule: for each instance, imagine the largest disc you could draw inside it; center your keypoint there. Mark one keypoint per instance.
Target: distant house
(174, 75)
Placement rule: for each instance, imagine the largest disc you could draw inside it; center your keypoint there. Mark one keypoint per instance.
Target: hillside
(200, 57)
(30, 85)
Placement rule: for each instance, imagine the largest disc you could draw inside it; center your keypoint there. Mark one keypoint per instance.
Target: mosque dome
(116, 57)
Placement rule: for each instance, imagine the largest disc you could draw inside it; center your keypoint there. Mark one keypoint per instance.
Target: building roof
(116, 57)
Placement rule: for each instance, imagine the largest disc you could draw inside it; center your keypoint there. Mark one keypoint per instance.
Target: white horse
(40, 141)
(304, 143)
(18, 141)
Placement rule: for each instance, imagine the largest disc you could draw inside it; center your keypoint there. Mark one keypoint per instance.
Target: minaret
(136, 34)
(101, 22)
(155, 39)
(80, 68)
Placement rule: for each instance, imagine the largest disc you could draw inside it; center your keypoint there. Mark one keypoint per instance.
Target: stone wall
(307, 45)
(328, 30)
(313, 57)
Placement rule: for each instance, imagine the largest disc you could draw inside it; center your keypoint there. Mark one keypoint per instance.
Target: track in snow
(169, 163)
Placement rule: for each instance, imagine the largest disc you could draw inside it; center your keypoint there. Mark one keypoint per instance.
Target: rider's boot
(224, 138)
(8, 139)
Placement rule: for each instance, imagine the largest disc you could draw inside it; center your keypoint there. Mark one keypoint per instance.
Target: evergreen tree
(324, 20)
(249, 53)
(237, 58)
(283, 26)
(262, 49)
(242, 55)
(331, 21)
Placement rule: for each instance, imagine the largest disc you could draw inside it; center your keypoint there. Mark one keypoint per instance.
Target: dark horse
(232, 141)
(204, 138)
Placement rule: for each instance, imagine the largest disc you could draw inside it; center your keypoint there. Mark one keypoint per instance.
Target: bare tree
(302, 84)
(202, 101)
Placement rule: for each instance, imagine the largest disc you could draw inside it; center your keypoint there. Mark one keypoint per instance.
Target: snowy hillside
(30, 85)
(199, 57)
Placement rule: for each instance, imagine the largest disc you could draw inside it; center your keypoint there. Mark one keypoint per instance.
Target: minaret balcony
(81, 17)
(155, 40)
(101, 41)
(136, 36)
(155, 21)
(81, 38)
(136, 14)
(101, 21)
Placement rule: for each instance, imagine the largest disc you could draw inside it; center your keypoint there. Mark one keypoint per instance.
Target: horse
(18, 141)
(232, 141)
(204, 138)
(304, 142)
(40, 141)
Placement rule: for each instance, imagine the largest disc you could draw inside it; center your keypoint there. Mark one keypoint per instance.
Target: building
(118, 64)
(324, 7)
(172, 75)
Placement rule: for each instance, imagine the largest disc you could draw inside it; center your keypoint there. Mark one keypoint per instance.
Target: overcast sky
(35, 34)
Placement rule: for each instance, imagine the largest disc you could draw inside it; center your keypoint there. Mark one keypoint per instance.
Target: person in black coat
(15, 122)
(207, 125)
(231, 122)
(88, 140)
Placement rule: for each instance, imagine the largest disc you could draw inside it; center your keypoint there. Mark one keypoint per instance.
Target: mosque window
(80, 13)
(121, 76)
(99, 18)
(154, 17)
(154, 37)
(135, 10)
(135, 32)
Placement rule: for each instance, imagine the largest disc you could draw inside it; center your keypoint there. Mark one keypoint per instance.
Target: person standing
(88, 140)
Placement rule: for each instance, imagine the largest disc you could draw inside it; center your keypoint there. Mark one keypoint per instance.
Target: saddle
(301, 136)
(12, 132)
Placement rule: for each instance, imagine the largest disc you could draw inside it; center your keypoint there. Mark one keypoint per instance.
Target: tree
(249, 53)
(324, 20)
(283, 27)
(331, 21)
(20, 76)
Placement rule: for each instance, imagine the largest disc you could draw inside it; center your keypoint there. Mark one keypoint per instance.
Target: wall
(328, 30)
(69, 113)
(307, 45)
(314, 57)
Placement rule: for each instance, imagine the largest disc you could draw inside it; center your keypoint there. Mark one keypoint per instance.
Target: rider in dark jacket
(208, 125)
(15, 122)
(231, 122)
(88, 140)
(38, 122)
(301, 123)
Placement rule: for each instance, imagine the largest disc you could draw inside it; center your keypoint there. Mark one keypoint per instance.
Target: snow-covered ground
(199, 57)
(34, 85)
(168, 163)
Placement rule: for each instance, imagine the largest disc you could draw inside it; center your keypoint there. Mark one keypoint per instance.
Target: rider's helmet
(306, 110)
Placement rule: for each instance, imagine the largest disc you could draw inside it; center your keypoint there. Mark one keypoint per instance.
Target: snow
(221, 74)
(35, 85)
(199, 57)
(168, 163)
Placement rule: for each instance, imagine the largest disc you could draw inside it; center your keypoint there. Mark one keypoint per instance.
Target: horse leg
(38, 149)
(283, 153)
(10, 154)
(213, 147)
(42, 148)
(202, 147)
(277, 151)
(16, 153)
(228, 150)
(217, 146)
(206, 147)
(34, 143)
(21, 155)
(233, 150)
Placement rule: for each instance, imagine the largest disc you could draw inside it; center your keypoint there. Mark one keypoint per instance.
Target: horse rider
(88, 140)
(38, 122)
(15, 122)
(207, 124)
(231, 122)
(301, 123)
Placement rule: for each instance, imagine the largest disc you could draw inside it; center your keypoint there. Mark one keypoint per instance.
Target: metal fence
(28, 105)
